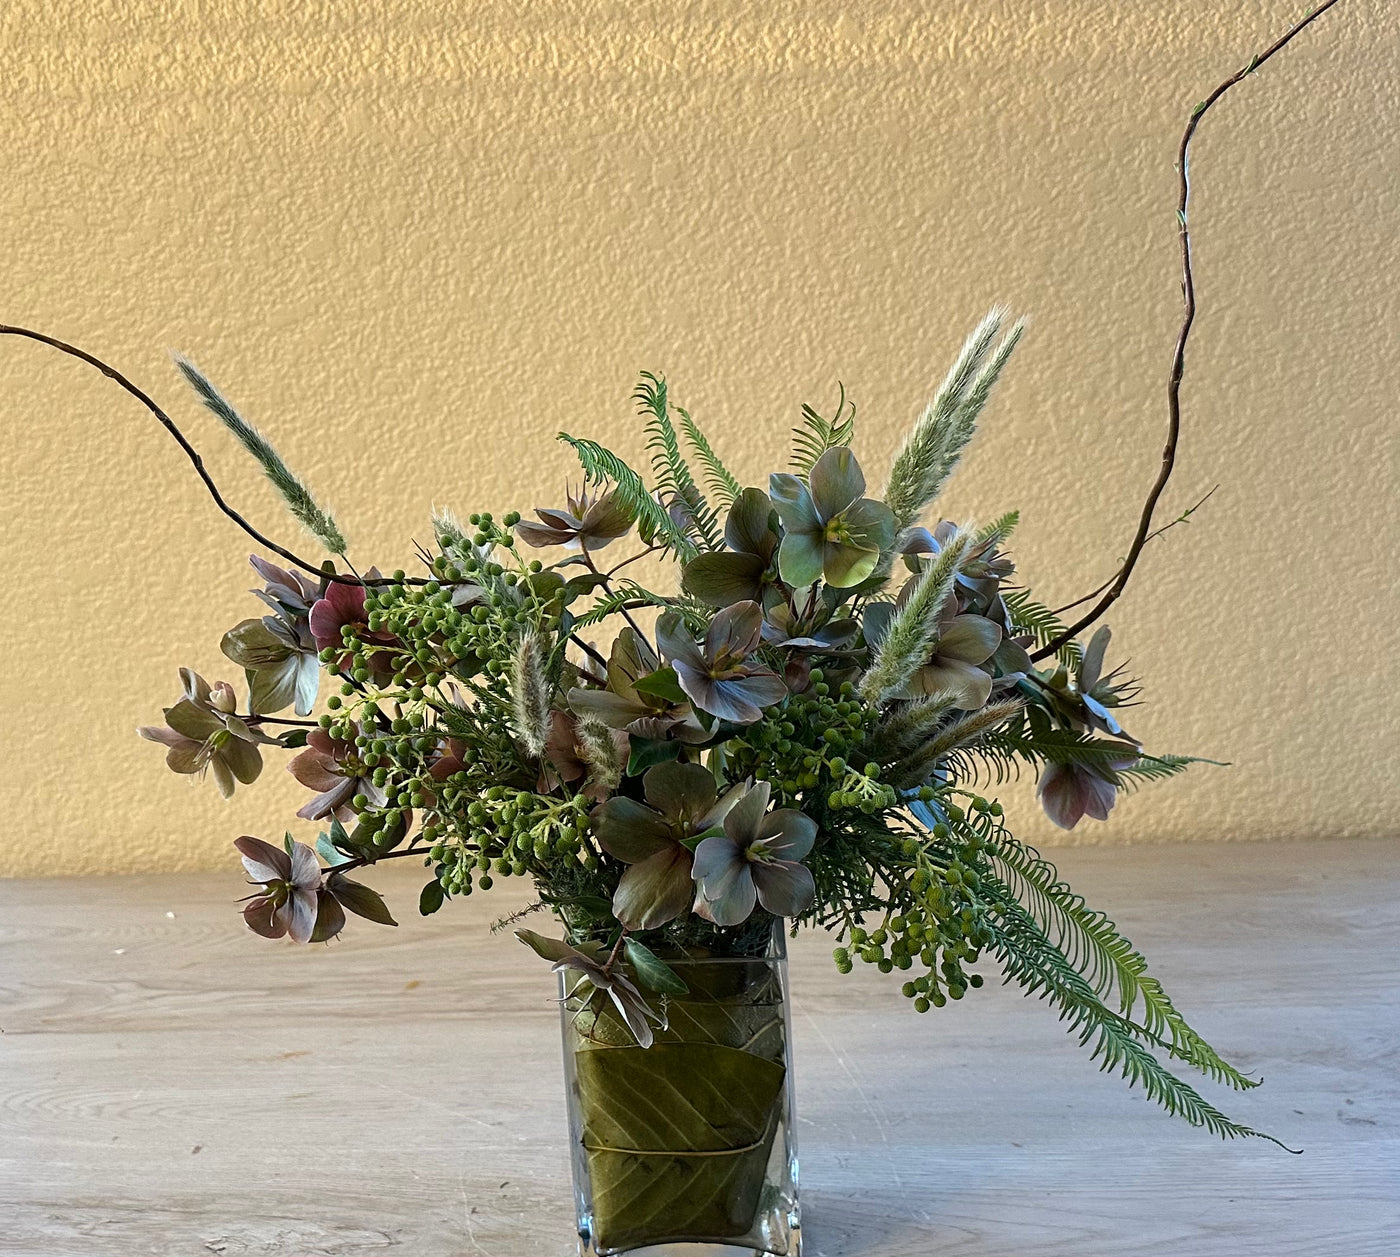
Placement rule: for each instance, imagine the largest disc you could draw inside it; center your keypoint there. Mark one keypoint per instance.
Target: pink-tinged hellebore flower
(716, 677)
(332, 767)
(683, 803)
(201, 736)
(644, 712)
(344, 605)
(741, 573)
(591, 525)
(830, 532)
(755, 860)
(635, 1012)
(292, 900)
(1069, 792)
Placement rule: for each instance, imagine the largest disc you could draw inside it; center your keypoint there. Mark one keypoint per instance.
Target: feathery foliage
(1032, 960)
(907, 727)
(999, 530)
(937, 441)
(914, 627)
(296, 495)
(673, 476)
(723, 486)
(601, 466)
(815, 435)
(1107, 961)
(1029, 616)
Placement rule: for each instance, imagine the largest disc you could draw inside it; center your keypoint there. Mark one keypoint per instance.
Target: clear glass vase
(687, 1148)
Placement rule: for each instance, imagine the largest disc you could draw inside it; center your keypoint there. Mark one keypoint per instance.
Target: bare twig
(169, 424)
(1188, 291)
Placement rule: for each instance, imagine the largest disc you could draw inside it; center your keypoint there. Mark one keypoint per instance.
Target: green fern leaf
(815, 435)
(601, 466)
(1028, 616)
(723, 485)
(673, 475)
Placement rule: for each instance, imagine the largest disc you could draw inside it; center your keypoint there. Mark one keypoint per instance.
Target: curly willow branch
(1179, 356)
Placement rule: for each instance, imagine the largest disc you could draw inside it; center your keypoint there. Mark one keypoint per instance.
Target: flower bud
(222, 698)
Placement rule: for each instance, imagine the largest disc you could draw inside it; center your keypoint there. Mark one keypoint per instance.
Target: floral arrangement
(802, 729)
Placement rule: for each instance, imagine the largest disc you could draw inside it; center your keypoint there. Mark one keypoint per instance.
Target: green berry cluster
(808, 744)
(937, 917)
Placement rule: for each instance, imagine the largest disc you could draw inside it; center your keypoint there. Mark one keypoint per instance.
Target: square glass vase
(686, 1148)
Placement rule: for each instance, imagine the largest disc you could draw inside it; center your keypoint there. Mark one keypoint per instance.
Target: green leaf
(328, 853)
(647, 1112)
(647, 752)
(551, 949)
(359, 899)
(430, 898)
(653, 972)
(663, 683)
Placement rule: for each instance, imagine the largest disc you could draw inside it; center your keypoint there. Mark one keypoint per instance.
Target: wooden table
(172, 1085)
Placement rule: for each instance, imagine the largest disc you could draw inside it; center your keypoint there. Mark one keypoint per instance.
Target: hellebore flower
(953, 668)
(831, 532)
(1097, 692)
(332, 767)
(1068, 792)
(741, 573)
(203, 736)
(755, 860)
(646, 712)
(683, 803)
(591, 525)
(280, 661)
(715, 677)
(626, 998)
(982, 569)
(292, 900)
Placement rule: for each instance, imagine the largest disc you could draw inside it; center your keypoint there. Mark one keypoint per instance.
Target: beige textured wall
(414, 242)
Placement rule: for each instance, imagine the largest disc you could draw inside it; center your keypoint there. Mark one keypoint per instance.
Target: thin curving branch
(1188, 290)
(169, 424)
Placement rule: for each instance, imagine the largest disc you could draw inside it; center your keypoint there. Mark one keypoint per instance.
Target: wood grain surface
(172, 1086)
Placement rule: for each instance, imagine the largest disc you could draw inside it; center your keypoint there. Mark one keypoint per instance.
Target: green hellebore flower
(831, 532)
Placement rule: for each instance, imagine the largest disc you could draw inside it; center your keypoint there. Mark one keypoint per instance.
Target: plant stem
(1178, 366)
(169, 424)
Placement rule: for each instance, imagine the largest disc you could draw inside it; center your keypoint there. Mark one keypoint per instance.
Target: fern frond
(999, 530)
(722, 484)
(1037, 965)
(1029, 616)
(815, 435)
(628, 594)
(1108, 962)
(296, 495)
(942, 432)
(1157, 767)
(914, 627)
(668, 465)
(601, 466)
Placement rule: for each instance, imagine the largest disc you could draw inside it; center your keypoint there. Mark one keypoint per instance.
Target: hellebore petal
(264, 862)
(844, 564)
(186, 756)
(869, 524)
(630, 831)
(742, 823)
(655, 890)
(330, 918)
(681, 792)
(223, 776)
(676, 643)
(787, 834)
(719, 579)
(243, 758)
(971, 638)
(801, 557)
(306, 873)
(263, 918)
(784, 888)
(748, 528)
(836, 482)
(300, 913)
(1091, 666)
(191, 721)
(794, 505)
(968, 686)
(1069, 792)
(726, 888)
(734, 632)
